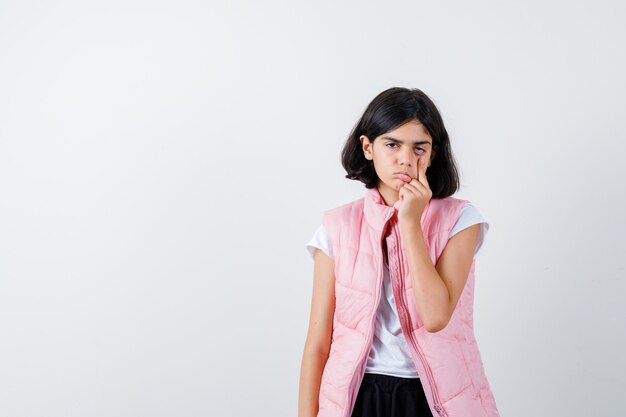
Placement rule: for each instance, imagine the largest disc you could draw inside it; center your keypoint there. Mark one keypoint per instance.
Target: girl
(391, 327)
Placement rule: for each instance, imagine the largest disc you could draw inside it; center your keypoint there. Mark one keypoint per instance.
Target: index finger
(421, 169)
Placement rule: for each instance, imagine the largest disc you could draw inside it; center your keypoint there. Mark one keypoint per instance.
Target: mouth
(402, 175)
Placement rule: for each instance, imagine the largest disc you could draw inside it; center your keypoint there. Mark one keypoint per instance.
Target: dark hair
(389, 110)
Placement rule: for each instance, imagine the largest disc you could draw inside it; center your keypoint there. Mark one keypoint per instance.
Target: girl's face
(398, 151)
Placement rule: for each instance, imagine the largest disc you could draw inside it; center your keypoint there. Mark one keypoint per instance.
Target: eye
(421, 150)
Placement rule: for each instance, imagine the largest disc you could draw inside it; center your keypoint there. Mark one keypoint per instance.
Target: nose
(407, 157)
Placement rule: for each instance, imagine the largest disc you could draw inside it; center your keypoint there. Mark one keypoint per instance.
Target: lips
(403, 175)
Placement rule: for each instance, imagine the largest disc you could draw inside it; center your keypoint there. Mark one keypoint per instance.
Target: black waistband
(389, 383)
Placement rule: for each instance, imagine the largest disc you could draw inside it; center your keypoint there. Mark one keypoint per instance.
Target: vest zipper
(409, 330)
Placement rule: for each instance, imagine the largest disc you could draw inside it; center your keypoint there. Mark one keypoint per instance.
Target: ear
(367, 146)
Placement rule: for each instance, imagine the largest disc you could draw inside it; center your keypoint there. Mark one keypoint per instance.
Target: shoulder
(320, 241)
(442, 213)
(469, 210)
(448, 203)
(343, 209)
(336, 221)
(468, 216)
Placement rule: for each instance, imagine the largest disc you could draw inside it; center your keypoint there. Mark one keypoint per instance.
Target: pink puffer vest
(448, 361)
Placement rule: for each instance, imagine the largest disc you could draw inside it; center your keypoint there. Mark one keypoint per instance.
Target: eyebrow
(418, 142)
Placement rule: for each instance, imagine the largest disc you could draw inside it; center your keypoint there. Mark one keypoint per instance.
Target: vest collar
(375, 210)
(377, 213)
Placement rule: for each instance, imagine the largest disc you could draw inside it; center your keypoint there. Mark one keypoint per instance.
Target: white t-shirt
(390, 354)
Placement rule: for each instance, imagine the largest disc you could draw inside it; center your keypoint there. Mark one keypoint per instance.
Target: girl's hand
(415, 195)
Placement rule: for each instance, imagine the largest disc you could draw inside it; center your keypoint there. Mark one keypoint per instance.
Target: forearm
(431, 294)
(313, 363)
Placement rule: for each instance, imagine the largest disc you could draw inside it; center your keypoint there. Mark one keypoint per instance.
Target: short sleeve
(468, 217)
(320, 241)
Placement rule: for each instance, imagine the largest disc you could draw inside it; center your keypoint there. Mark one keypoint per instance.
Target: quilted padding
(448, 361)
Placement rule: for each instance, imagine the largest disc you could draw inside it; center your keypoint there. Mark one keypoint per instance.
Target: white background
(162, 166)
